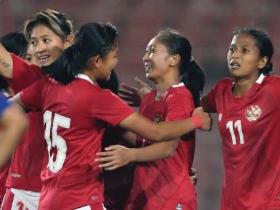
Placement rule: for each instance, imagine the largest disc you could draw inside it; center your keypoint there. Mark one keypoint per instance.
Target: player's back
(73, 138)
(74, 116)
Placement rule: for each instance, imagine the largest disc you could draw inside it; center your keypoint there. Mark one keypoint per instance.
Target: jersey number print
(54, 140)
(232, 126)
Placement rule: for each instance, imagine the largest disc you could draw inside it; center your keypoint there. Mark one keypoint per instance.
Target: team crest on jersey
(253, 112)
(158, 118)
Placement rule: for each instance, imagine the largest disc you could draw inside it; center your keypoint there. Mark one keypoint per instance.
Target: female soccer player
(165, 183)
(15, 43)
(49, 32)
(76, 111)
(248, 117)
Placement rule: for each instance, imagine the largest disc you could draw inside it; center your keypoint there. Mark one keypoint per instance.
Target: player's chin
(233, 72)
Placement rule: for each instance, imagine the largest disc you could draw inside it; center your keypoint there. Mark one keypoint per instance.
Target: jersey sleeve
(179, 106)
(4, 104)
(109, 107)
(31, 97)
(24, 74)
(209, 102)
(274, 84)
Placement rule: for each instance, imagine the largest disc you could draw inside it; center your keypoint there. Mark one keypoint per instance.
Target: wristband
(197, 121)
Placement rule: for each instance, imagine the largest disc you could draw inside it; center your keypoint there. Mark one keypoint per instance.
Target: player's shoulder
(179, 89)
(271, 85)
(272, 80)
(179, 93)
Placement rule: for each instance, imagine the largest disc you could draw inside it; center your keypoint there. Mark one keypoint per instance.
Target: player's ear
(94, 62)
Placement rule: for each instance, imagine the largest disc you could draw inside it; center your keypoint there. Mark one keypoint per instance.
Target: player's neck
(162, 84)
(242, 86)
(91, 76)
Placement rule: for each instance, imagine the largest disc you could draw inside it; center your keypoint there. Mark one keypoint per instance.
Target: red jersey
(155, 183)
(3, 176)
(26, 163)
(4, 169)
(250, 130)
(75, 118)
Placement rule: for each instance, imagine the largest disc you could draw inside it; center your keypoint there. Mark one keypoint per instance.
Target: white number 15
(54, 140)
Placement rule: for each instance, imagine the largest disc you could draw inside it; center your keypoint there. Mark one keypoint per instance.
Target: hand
(205, 117)
(133, 95)
(193, 176)
(114, 157)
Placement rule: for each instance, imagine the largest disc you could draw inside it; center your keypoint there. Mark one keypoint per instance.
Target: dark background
(207, 23)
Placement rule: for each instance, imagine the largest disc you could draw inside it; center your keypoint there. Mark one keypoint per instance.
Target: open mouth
(43, 58)
(234, 65)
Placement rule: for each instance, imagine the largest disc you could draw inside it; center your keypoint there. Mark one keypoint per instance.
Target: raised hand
(133, 95)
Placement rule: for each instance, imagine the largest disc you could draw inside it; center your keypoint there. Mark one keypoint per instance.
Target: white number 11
(237, 124)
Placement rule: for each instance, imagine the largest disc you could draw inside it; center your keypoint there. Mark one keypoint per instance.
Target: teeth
(234, 64)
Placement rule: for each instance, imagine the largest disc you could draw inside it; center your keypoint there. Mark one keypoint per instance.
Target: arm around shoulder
(164, 131)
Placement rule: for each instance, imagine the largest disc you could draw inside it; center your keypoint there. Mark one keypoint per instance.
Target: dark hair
(92, 39)
(16, 43)
(191, 74)
(263, 43)
(58, 22)
(112, 83)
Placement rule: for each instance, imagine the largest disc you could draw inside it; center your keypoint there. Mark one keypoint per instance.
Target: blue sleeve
(4, 103)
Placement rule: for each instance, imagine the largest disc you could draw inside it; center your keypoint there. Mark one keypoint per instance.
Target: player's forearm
(129, 137)
(173, 130)
(6, 63)
(154, 151)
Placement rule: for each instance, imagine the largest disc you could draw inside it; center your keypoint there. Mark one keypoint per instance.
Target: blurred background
(208, 24)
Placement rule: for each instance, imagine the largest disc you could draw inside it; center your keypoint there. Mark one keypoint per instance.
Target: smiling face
(244, 60)
(46, 45)
(156, 60)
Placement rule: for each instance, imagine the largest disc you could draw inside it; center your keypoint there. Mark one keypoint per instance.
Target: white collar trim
(85, 77)
(178, 85)
(260, 79)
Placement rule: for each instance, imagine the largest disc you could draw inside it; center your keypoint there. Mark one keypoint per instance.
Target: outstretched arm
(165, 131)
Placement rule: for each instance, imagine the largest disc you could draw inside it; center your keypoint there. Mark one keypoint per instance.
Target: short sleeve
(31, 97)
(210, 102)
(4, 104)
(24, 74)
(109, 107)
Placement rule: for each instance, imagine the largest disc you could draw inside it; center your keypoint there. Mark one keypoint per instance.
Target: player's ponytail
(194, 79)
